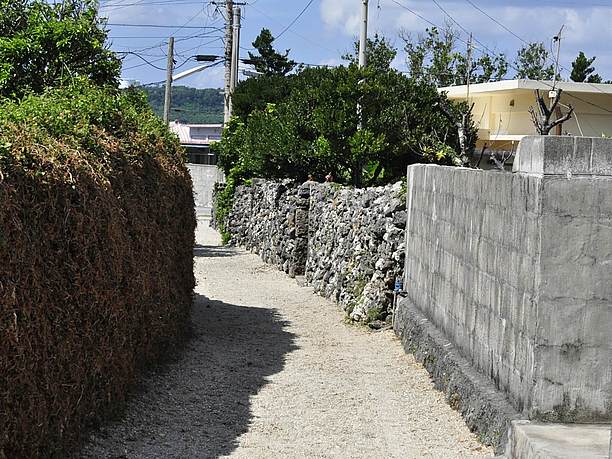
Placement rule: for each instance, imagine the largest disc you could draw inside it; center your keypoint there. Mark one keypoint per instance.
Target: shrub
(96, 273)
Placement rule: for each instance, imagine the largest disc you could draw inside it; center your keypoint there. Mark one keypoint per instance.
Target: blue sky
(328, 27)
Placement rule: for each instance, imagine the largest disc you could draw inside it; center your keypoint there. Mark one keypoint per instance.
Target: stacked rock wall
(349, 243)
(356, 247)
(270, 219)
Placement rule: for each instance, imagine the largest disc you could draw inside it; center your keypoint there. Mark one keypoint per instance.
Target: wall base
(485, 409)
(558, 441)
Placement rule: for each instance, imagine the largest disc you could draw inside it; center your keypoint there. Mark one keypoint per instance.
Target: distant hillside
(189, 105)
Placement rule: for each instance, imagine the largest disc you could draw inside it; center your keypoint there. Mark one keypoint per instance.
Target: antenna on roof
(557, 40)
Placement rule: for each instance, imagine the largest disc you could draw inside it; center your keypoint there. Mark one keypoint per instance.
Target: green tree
(379, 53)
(189, 105)
(482, 70)
(257, 92)
(270, 62)
(436, 58)
(531, 63)
(44, 45)
(314, 129)
(582, 70)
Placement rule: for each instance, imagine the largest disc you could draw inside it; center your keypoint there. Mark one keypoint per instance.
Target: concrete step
(530, 440)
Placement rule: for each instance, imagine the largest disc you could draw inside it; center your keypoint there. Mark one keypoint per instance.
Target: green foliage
(44, 45)
(268, 61)
(379, 53)
(189, 105)
(313, 129)
(582, 70)
(375, 314)
(83, 115)
(256, 93)
(531, 63)
(435, 58)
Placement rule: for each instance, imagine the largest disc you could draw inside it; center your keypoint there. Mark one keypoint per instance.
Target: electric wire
(492, 54)
(524, 41)
(295, 20)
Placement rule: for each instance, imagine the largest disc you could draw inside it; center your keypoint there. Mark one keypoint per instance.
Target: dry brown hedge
(96, 273)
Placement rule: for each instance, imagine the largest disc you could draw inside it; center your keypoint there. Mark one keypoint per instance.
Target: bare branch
(564, 118)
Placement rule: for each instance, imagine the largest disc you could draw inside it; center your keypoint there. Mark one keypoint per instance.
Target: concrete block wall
(204, 178)
(516, 271)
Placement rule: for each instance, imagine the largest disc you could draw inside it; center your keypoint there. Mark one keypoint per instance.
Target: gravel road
(272, 371)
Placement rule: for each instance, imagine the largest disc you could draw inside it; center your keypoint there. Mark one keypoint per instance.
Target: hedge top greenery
(44, 45)
(307, 123)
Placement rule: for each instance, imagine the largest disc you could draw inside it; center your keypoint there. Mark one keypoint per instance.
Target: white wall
(204, 179)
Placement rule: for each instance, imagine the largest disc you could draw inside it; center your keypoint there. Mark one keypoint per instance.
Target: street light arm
(186, 73)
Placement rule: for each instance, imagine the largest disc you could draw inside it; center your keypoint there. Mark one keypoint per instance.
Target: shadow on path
(198, 406)
(213, 251)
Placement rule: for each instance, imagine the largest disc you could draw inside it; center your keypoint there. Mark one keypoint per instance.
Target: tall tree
(43, 45)
(582, 70)
(269, 61)
(437, 58)
(379, 53)
(531, 63)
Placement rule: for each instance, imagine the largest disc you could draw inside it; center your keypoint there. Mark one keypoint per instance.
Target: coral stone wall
(349, 243)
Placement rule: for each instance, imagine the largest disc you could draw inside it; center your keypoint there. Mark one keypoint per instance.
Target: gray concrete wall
(204, 178)
(516, 271)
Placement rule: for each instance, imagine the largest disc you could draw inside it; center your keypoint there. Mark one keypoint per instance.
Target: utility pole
(235, 51)
(169, 70)
(363, 61)
(363, 37)
(227, 107)
(469, 67)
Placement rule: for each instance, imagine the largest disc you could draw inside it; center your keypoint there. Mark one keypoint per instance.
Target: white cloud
(586, 28)
(341, 14)
(209, 78)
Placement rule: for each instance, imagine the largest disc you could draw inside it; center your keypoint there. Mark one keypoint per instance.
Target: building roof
(455, 92)
(184, 132)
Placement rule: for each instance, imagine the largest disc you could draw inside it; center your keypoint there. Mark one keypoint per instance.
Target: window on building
(201, 155)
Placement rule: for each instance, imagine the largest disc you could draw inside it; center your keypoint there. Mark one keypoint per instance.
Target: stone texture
(349, 243)
(270, 219)
(356, 247)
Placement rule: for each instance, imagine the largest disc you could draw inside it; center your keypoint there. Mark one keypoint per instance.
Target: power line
(525, 41)
(162, 26)
(303, 37)
(496, 21)
(145, 60)
(295, 20)
(492, 54)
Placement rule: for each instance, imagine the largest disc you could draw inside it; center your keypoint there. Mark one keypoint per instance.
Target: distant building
(502, 117)
(197, 138)
(125, 83)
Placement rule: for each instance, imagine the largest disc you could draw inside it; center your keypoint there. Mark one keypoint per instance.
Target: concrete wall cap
(564, 155)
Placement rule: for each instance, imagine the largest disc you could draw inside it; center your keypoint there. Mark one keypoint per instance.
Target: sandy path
(273, 371)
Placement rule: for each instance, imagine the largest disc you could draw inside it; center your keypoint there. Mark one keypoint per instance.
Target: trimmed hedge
(96, 273)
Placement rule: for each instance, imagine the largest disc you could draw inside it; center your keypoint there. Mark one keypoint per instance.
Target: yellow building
(501, 109)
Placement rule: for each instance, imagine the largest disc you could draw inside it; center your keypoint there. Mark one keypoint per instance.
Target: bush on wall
(96, 273)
